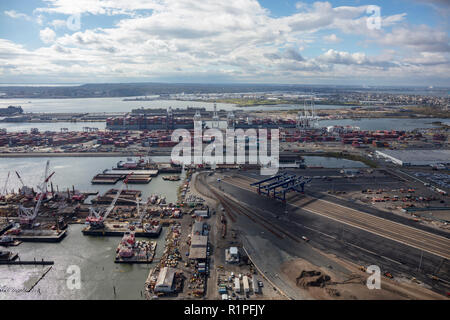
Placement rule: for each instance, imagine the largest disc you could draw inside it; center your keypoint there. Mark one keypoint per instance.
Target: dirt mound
(312, 278)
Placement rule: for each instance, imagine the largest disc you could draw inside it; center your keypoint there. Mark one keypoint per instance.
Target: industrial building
(202, 213)
(232, 255)
(198, 249)
(165, 281)
(197, 228)
(416, 157)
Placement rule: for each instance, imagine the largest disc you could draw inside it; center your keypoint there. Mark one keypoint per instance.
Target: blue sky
(266, 41)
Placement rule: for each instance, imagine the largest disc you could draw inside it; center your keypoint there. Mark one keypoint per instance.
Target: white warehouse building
(416, 157)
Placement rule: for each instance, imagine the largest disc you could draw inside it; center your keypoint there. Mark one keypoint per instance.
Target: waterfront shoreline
(67, 154)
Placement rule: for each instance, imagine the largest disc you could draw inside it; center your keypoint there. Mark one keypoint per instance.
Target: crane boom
(20, 179)
(113, 203)
(47, 165)
(29, 214)
(6, 184)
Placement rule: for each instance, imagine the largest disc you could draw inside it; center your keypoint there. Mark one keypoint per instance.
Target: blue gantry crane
(280, 184)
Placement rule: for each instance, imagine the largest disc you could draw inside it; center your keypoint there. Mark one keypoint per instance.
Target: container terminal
(323, 226)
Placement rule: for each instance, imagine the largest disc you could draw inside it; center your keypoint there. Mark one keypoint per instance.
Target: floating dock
(139, 179)
(103, 178)
(40, 236)
(151, 173)
(119, 232)
(125, 195)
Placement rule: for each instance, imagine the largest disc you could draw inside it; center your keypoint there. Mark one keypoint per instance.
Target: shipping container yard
(199, 230)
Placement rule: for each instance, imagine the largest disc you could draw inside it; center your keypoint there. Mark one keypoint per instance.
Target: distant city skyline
(236, 41)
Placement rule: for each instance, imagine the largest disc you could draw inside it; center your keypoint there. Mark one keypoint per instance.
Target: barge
(39, 236)
(119, 230)
(131, 250)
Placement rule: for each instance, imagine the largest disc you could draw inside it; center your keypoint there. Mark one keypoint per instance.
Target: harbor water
(103, 105)
(100, 277)
(78, 172)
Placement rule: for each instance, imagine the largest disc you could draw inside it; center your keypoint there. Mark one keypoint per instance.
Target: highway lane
(410, 236)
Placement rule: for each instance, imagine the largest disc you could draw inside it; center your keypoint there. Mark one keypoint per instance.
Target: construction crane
(96, 219)
(4, 188)
(139, 213)
(24, 190)
(27, 215)
(20, 179)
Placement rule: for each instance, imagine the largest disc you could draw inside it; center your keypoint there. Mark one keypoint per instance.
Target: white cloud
(16, 15)
(331, 38)
(421, 38)
(47, 35)
(108, 7)
(236, 39)
(58, 23)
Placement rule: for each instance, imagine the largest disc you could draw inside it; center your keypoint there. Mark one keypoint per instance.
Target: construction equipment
(4, 188)
(144, 212)
(25, 190)
(20, 179)
(28, 215)
(96, 219)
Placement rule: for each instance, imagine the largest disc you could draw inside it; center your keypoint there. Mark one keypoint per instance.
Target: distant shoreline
(65, 154)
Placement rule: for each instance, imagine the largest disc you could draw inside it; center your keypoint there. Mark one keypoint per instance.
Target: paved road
(416, 238)
(343, 240)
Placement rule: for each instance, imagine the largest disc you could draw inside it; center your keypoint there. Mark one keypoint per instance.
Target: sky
(353, 42)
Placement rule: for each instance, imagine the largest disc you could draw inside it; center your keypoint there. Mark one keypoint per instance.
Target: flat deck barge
(40, 236)
(119, 232)
(143, 253)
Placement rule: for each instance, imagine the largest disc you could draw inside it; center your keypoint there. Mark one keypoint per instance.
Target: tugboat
(171, 178)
